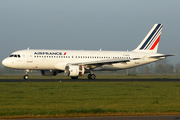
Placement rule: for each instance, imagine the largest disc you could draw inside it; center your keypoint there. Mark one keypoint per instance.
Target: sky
(116, 25)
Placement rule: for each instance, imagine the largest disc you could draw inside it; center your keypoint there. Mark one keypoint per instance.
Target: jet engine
(74, 70)
(49, 72)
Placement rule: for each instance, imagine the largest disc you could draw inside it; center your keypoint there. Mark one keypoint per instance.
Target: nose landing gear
(26, 76)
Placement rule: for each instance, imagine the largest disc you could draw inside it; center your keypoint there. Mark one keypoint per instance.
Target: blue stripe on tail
(145, 43)
(154, 37)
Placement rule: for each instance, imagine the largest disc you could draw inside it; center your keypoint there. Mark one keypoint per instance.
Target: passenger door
(29, 56)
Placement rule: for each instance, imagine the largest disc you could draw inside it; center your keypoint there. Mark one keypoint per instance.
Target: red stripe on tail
(156, 42)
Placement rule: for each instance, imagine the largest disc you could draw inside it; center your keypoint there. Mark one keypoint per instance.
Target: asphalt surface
(86, 80)
(116, 118)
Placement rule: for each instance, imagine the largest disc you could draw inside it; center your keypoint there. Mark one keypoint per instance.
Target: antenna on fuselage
(100, 49)
(28, 48)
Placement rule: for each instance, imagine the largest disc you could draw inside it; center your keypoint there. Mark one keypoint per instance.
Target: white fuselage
(58, 59)
(77, 62)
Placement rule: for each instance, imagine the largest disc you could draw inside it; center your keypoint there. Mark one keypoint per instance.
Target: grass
(80, 99)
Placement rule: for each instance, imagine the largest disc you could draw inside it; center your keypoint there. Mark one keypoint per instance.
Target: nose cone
(6, 62)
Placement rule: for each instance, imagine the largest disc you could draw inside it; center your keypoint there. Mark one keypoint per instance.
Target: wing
(103, 62)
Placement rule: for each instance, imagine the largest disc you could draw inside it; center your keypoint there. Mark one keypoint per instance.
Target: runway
(114, 118)
(87, 80)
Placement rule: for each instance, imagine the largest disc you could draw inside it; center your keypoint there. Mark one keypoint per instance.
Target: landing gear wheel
(92, 76)
(89, 76)
(26, 77)
(76, 77)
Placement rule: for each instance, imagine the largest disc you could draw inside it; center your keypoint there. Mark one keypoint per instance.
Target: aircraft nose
(5, 62)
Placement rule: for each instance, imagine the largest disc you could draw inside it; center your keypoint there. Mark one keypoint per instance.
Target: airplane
(75, 63)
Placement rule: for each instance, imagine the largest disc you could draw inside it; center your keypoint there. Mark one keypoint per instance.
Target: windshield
(15, 55)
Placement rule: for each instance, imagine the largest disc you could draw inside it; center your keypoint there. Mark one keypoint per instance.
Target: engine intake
(74, 70)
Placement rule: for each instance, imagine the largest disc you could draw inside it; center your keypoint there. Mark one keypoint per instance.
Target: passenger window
(15, 55)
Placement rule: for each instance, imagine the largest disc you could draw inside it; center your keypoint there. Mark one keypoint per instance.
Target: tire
(26, 77)
(93, 76)
(89, 76)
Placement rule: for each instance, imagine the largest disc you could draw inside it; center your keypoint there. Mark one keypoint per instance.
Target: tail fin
(151, 41)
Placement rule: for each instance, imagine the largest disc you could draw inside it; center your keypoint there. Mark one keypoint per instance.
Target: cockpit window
(15, 55)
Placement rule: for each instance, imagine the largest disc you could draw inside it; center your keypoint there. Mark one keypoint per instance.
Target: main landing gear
(92, 76)
(26, 76)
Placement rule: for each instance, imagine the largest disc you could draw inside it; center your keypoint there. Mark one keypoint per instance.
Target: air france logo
(49, 53)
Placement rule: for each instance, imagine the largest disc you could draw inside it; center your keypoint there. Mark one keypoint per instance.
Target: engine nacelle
(74, 70)
(49, 72)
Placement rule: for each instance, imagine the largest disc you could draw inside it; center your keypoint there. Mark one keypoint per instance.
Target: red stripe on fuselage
(155, 43)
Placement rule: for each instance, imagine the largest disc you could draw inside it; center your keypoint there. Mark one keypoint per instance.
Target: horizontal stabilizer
(158, 56)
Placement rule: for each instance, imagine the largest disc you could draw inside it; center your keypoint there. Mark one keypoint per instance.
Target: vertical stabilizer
(151, 41)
